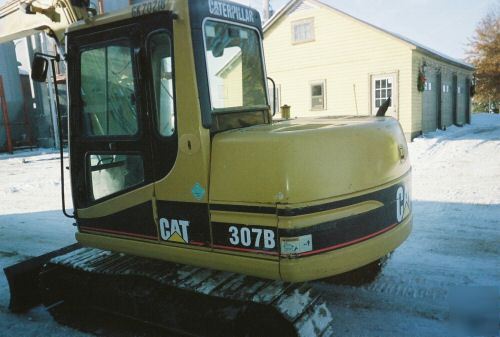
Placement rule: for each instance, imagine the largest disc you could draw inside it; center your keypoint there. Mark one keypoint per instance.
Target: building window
(303, 31)
(383, 90)
(318, 95)
(383, 87)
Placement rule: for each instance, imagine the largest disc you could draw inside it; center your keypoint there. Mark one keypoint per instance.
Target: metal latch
(402, 154)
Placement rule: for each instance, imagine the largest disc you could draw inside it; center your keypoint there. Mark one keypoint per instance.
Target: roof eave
(444, 59)
(278, 14)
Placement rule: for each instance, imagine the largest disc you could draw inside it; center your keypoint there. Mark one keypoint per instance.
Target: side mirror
(39, 69)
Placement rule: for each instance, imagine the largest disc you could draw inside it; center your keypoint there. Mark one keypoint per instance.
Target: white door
(383, 87)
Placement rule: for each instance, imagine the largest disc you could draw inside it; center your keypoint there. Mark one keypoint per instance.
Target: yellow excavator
(195, 210)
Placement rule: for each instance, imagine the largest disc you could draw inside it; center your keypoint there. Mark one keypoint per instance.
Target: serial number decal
(241, 237)
(231, 11)
(148, 7)
(296, 245)
(252, 237)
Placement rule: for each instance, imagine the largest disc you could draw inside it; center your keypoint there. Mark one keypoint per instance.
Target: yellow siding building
(326, 62)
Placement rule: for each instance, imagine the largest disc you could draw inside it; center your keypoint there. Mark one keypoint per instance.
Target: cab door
(111, 132)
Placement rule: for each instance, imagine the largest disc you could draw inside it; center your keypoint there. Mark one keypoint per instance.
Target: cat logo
(402, 202)
(174, 230)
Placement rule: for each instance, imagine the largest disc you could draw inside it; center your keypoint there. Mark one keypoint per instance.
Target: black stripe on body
(135, 221)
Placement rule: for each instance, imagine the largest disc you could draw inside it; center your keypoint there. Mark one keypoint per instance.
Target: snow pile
(461, 164)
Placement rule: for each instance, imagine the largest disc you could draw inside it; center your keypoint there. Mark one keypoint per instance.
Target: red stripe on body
(109, 231)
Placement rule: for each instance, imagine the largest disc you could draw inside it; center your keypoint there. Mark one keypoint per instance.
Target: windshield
(234, 64)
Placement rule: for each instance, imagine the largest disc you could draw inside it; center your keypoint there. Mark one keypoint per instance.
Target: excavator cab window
(123, 107)
(113, 173)
(163, 82)
(235, 67)
(108, 91)
(108, 96)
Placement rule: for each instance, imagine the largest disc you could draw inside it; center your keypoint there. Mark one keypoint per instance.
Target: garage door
(467, 100)
(446, 99)
(430, 104)
(461, 100)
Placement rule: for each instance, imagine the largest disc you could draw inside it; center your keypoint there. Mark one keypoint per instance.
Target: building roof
(412, 44)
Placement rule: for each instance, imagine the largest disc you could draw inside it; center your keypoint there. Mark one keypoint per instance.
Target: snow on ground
(455, 241)
(31, 224)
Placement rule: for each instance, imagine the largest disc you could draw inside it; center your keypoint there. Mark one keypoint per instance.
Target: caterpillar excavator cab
(181, 178)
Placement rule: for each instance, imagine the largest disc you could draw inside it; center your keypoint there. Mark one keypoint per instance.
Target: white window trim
(302, 21)
(323, 84)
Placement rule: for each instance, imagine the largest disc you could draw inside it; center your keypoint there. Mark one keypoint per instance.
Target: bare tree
(484, 54)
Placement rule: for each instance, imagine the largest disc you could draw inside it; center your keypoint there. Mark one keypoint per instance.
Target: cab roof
(198, 10)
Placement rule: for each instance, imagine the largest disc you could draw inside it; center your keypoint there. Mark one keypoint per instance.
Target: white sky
(443, 25)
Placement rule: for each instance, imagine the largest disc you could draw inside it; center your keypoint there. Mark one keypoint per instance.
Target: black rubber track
(182, 299)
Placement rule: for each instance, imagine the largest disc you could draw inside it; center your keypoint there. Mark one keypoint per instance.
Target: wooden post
(5, 112)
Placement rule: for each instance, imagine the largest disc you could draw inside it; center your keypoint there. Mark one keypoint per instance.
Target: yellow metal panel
(306, 160)
(192, 163)
(129, 12)
(269, 220)
(117, 204)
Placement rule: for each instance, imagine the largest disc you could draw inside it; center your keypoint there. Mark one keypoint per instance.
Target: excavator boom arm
(22, 18)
